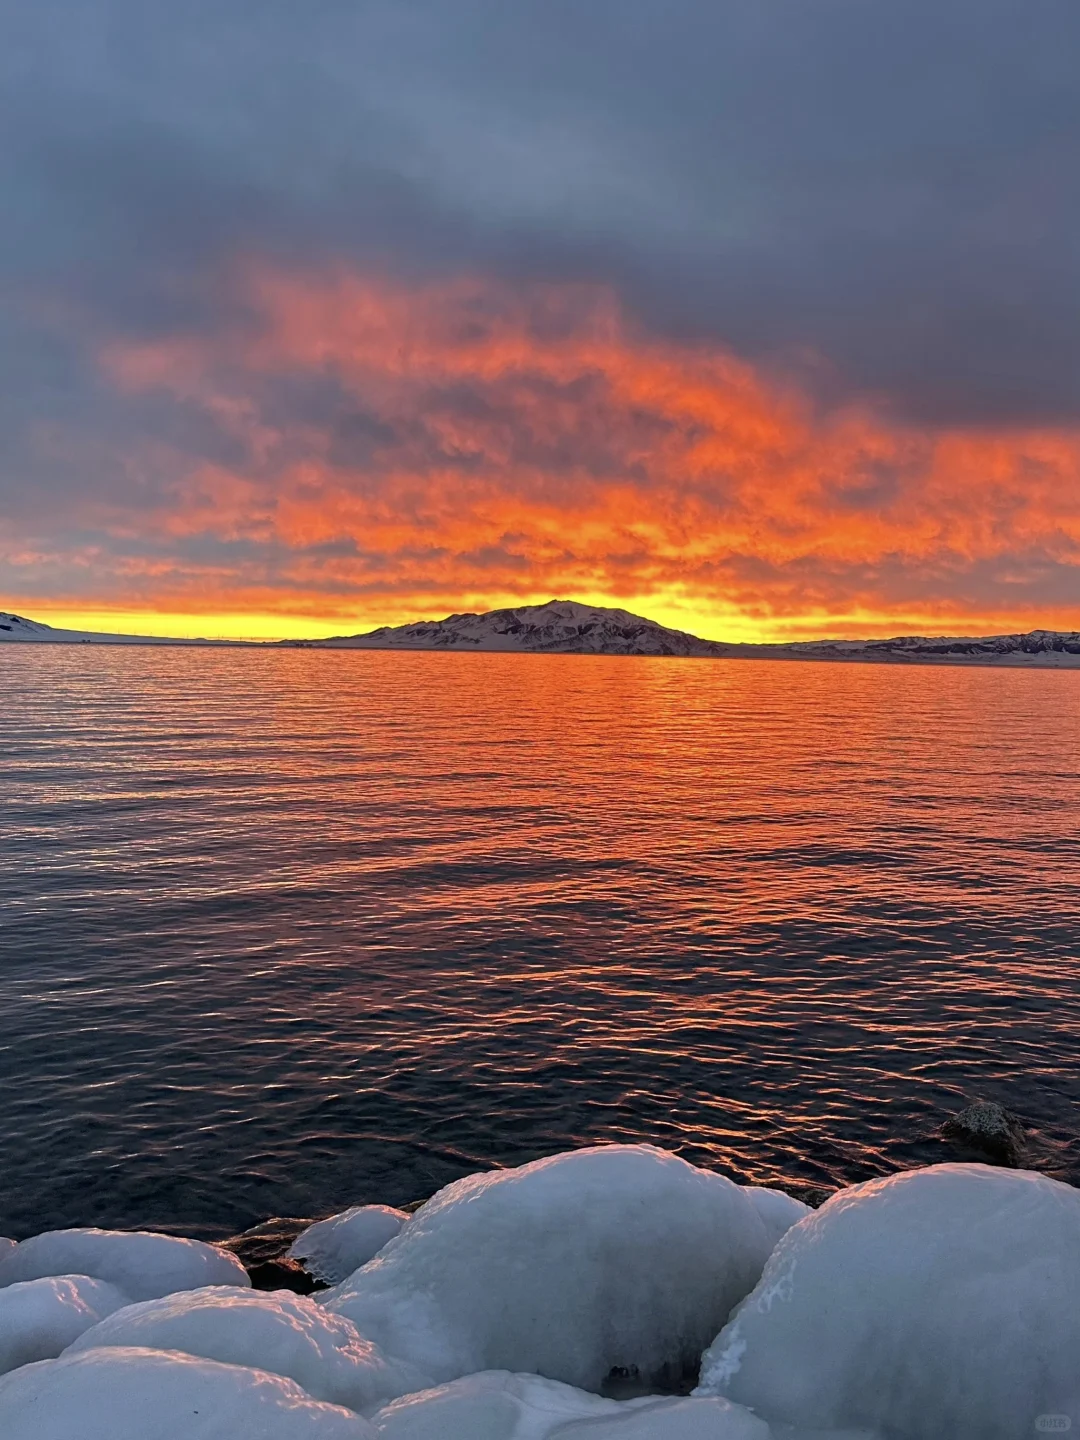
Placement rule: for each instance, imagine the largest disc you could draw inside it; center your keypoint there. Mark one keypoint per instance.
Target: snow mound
(6, 1246)
(280, 1332)
(779, 1212)
(939, 1304)
(494, 1405)
(39, 1318)
(617, 1256)
(332, 1249)
(141, 1264)
(150, 1395)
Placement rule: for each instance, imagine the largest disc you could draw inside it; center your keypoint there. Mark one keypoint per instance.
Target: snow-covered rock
(617, 1256)
(332, 1249)
(779, 1212)
(938, 1304)
(40, 1318)
(142, 1264)
(153, 1395)
(280, 1332)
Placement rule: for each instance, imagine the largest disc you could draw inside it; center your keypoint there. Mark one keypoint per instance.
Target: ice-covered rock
(154, 1395)
(142, 1264)
(40, 1318)
(332, 1249)
(284, 1333)
(938, 1304)
(617, 1256)
(779, 1212)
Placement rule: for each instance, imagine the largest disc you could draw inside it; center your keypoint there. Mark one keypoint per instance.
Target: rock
(268, 1240)
(284, 1274)
(813, 1195)
(989, 1128)
(263, 1252)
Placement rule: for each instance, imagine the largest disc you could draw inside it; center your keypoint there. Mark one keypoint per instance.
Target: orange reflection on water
(317, 922)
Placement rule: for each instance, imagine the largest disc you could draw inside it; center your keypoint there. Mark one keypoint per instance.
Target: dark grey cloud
(884, 199)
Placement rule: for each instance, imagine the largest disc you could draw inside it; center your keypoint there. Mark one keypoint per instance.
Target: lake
(284, 931)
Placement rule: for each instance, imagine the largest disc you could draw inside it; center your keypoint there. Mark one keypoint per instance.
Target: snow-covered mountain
(1037, 647)
(18, 628)
(559, 627)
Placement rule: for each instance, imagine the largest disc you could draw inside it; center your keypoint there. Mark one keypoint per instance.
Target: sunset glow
(401, 452)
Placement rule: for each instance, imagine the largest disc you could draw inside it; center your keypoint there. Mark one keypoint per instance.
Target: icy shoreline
(934, 1304)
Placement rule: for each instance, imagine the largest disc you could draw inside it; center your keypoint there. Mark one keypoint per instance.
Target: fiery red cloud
(397, 452)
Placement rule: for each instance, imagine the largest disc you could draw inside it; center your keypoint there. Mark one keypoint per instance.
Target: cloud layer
(765, 317)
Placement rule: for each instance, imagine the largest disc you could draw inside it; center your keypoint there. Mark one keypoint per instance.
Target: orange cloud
(410, 451)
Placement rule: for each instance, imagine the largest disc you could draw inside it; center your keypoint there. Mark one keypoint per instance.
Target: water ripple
(285, 932)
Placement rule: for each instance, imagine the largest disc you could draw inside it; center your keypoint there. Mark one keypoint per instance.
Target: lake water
(283, 931)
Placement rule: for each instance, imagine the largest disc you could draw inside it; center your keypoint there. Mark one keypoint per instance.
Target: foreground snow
(41, 1318)
(156, 1395)
(942, 1304)
(286, 1334)
(938, 1304)
(141, 1264)
(619, 1257)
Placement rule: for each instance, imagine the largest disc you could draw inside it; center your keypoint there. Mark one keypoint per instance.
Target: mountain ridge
(572, 627)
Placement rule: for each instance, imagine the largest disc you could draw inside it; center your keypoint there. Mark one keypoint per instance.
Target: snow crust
(617, 1256)
(778, 1212)
(40, 1318)
(332, 1249)
(140, 1263)
(938, 1304)
(152, 1395)
(278, 1331)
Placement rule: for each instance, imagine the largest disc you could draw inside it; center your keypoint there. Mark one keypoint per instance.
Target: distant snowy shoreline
(567, 627)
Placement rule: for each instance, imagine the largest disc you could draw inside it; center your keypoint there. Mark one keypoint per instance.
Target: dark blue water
(286, 931)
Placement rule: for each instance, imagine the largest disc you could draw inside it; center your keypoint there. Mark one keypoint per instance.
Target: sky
(761, 318)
